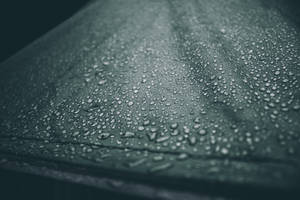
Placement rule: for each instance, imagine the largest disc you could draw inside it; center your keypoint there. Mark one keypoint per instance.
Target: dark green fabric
(167, 91)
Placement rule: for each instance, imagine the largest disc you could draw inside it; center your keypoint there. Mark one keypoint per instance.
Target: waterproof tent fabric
(180, 95)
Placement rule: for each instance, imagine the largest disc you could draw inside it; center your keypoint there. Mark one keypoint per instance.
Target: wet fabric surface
(194, 92)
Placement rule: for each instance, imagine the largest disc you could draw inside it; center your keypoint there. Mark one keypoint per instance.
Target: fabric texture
(171, 92)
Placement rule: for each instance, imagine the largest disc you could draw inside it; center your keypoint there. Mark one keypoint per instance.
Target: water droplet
(192, 140)
(129, 134)
(103, 136)
(224, 151)
(141, 128)
(174, 125)
(137, 162)
(152, 136)
(182, 156)
(146, 122)
(162, 139)
(197, 120)
(202, 131)
(196, 126)
(175, 132)
(158, 158)
(101, 82)
(186, 130)
(296, 107)
(161, 167)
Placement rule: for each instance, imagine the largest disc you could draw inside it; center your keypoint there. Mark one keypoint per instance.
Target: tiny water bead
(192, 140)
(161, 167)
(141, 128)
(162, 139)
(104, 135)
(182, 156)
(175, 132)
(129, 134)
(224, 151)
(202, 131)
(146, 122)
(101, 82)
(174, 125)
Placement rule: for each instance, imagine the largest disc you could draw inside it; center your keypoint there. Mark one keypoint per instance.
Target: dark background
(22, 21)
(19, 186)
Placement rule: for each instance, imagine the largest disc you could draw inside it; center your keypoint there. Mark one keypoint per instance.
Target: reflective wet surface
(194, 91)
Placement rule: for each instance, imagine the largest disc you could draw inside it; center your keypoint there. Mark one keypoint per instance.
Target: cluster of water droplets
(153, 99)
